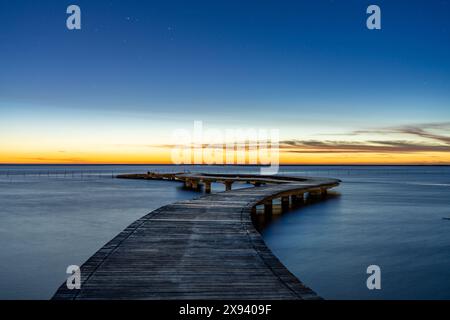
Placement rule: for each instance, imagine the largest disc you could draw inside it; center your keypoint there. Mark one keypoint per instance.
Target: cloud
(424, 130)
(433, 138)
(373, 146)
(420, 132)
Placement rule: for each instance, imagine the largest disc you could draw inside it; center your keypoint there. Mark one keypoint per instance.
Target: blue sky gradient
(306, 67)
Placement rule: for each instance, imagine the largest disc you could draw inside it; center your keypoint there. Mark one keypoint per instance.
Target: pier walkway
(206, 248)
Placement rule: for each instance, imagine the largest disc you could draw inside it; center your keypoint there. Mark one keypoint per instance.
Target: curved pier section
(206, 248)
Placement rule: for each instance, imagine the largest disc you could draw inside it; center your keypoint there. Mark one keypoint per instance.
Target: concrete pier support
(284, 203)
(297, 198)
(207, 187)
(228, 185)
(268, 206)
(194, 184)
(314, 194)
(187, 184)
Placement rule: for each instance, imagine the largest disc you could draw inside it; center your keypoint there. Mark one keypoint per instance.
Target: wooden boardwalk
(206, 248)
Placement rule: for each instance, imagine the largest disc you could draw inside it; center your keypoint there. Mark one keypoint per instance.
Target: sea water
(394, 217)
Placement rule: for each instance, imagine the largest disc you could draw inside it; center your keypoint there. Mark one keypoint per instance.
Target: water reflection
(262, 219)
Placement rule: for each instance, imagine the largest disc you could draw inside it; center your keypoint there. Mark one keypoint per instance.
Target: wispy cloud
(420, 132)
(432, 136)
(314, 146)
(424, 130)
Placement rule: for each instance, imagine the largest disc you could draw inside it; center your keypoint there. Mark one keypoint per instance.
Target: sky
(116, 90)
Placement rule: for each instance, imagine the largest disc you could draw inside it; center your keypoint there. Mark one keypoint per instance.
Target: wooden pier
(206, 248)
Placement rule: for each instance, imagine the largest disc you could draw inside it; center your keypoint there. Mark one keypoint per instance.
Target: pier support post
(268, 207)
(297, 198)
(314, 194)
(284, 203)
(194, 184)
(207, 187)
(228, 185)
(187, 184)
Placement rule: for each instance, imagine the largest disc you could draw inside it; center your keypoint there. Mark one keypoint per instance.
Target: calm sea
(393, 217)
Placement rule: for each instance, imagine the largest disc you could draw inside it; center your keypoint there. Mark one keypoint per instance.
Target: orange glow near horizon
(25, 140)
(161, 155)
